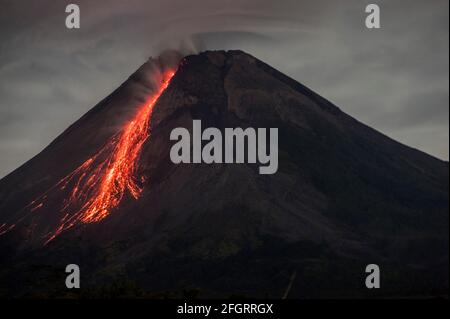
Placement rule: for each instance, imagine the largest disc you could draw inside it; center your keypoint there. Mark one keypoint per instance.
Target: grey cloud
(421, 109)
(394, 79)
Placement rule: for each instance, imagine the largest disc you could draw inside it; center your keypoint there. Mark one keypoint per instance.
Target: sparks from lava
(99, 184)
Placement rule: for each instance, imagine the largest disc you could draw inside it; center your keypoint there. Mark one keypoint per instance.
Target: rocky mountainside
(344, 196)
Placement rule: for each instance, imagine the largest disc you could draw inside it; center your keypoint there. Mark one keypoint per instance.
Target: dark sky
(394, 79)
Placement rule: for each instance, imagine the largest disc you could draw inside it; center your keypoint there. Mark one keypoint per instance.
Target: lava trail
(100, 183)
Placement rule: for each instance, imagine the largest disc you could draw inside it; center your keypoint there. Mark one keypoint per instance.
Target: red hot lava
(100, 183)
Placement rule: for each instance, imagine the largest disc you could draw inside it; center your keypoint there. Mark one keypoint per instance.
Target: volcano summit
(106, 196)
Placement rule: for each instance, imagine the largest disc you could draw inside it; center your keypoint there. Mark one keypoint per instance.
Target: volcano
(105, 195)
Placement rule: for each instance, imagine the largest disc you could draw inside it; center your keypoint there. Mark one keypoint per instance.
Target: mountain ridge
(343, 192)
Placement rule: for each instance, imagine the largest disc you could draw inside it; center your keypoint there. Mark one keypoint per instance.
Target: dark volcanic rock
(344, 196)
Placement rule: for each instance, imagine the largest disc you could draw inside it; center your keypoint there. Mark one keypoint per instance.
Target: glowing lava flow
(100, 183)
(117, 175)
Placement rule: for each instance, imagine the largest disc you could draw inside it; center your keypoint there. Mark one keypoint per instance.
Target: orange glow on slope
(100, 183)
(117, 170)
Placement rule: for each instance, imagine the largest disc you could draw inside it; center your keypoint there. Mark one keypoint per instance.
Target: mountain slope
(344, 196)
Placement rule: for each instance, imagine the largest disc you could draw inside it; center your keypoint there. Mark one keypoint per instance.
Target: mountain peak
(242, 85)
(343, 191)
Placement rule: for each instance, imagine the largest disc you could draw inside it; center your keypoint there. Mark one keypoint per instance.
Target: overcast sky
(394, 79)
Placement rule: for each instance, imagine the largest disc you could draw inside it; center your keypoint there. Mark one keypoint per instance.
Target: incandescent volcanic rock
(344, 196)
